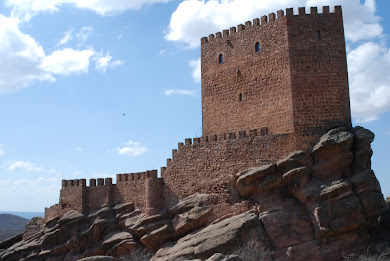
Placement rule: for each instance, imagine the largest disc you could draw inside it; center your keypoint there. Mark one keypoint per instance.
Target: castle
(269, 87)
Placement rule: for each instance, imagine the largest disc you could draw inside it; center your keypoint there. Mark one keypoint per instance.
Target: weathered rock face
(314, 206)
(113, 231)
(222, 237)
(310, 206)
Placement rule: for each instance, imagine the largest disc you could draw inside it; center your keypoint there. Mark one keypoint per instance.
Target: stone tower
(288, 74)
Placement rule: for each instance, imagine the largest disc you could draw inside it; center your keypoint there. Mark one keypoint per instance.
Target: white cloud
(132, 149)
(104, 61)
(27, 8)
(369, 67)
(83, 35)
(78, 149)
(24, 61)
(68, 36)
(67, 61)
(21, 57)
(28, 166)
(2, 152)
(181, 92)
(105, 7)
(196, 73)
(360, 20)
(194, 19)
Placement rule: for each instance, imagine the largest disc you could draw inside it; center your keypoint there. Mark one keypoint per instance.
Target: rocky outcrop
(222, 237)
(113, 231)
(316, 205)
(312, 205)
(33, 226)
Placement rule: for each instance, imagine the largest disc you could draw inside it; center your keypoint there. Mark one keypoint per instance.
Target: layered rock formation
(312, 205)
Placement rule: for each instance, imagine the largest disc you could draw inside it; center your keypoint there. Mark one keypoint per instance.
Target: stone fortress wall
(280, 84)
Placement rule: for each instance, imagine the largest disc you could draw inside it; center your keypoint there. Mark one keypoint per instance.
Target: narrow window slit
(257, 47)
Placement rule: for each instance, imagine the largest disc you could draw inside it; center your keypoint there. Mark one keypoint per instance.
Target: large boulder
(286, 221)
(218, 237)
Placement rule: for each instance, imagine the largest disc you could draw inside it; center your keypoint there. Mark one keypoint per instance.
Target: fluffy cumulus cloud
(27, 8)
(28, 166)
(131, 149)
(24, 61)
(67, 61)
(369, 67)
(21, 57)
(368, 54)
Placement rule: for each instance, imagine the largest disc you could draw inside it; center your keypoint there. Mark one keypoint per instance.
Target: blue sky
(94, 88)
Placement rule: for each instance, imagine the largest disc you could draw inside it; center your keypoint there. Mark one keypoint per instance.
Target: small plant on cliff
(137, 255)
(253, 251)
(381, 256)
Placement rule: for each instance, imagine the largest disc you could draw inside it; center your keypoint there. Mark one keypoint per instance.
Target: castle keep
(269, 87)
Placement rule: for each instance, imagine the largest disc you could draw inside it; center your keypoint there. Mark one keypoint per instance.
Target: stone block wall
(144, 189)
(319, 76)
(203, 165)
(249, 88)
(209, 164)
(132, 187)
(97, 195)
(72, 194)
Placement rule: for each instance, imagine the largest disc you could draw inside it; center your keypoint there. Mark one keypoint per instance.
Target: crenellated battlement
(272, 17)
(216, 138)
(128, 177)
(83, 182)
(225, 136)
(74, 183)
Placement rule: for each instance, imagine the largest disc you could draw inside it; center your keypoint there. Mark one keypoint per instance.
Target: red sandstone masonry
(209, 164)
(296, 87)
(261, 78)
(319, 74)
(129, 188)
(132, 187)
(297, 83)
